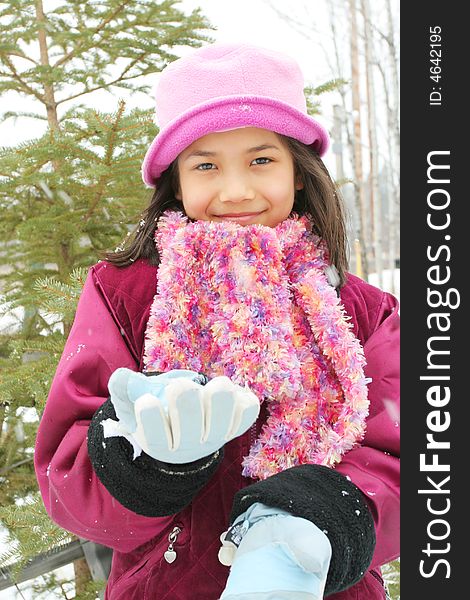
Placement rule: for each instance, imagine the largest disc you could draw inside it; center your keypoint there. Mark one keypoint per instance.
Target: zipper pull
(170, 554)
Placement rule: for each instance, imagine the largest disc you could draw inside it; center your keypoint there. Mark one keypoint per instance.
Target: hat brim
(223, 114)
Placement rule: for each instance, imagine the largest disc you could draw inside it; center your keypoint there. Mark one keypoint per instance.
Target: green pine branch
(91, 45)
(31, 532)
(312, 93)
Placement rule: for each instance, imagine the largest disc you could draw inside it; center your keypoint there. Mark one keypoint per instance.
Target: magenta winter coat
(108, 333)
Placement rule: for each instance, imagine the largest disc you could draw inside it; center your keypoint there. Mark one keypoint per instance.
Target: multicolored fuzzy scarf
(254, 303)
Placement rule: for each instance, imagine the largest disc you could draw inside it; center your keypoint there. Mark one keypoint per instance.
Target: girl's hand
(279, 557)
(177, 417)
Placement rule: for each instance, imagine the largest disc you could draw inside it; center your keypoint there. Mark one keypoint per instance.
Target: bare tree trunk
(391, 219)
(357, 139)
(392, 184)
(49, 97)
(395, 81)
(82, 575)
(395, 131)
(337, 149)
(64, 253)
(341, 122)
(374, 192)
(391, 90)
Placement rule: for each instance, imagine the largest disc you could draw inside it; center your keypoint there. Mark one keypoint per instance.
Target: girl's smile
(247, 218)
(243, 175)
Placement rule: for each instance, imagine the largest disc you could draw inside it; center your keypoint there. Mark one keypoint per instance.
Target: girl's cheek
(195, 207)
(279, 194)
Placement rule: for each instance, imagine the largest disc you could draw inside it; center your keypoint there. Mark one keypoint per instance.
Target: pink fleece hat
(226, 86)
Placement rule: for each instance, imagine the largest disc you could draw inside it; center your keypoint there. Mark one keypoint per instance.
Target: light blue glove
(174, 417)
(279, 557)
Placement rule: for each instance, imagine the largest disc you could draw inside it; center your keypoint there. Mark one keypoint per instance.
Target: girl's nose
(236, 188)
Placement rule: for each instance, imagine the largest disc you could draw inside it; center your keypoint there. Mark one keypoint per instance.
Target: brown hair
(321, 199)
(318, 198)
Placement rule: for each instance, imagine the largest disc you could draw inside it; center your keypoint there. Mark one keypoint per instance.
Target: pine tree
(67, 196)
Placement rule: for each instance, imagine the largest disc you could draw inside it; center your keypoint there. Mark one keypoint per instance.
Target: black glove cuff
(333, 504)
(146, 486)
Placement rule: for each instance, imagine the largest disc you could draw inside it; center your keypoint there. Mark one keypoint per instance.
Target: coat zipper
(170, 554)
(252, 436)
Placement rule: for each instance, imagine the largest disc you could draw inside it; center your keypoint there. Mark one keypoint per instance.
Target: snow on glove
(176, 417)
(279, 557)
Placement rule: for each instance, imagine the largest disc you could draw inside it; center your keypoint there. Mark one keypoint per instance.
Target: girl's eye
(207, 166)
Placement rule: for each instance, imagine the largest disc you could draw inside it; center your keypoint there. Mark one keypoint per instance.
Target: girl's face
(243, 175)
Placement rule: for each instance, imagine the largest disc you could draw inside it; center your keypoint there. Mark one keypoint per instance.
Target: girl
(224, 413)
